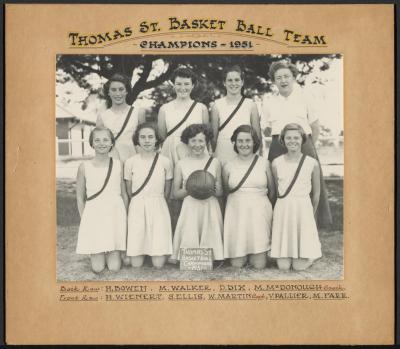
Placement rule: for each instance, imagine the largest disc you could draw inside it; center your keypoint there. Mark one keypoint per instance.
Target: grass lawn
(74, 267)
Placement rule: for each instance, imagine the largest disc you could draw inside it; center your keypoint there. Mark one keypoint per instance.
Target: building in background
(72, 132)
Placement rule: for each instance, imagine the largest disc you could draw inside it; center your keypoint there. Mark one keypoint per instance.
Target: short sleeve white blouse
(278, 111)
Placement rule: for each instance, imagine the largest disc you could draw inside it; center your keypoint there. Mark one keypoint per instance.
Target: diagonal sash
(128, 116)
(232, 114)
(171, 131)
(110, 166)
(253, 163)
(208, 163)
(153, 165)
(289, 188)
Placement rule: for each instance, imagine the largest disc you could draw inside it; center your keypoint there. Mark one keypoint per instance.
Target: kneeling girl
(295, 241)
(102, 204)
(148, 176)
(248, 214)
(200, 221)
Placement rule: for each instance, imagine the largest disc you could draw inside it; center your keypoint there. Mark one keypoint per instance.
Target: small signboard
(196, 259)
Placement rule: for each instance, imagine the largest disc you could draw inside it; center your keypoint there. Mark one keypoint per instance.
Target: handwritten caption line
(262, 292)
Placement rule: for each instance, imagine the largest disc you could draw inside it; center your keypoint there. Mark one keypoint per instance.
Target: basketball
(201, 185)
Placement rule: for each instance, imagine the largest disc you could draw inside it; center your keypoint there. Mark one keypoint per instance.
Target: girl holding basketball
(295, 241)
(200, 220)
(102, 204)
(148, 177)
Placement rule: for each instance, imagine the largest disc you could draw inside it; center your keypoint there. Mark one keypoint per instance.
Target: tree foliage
(209, 69)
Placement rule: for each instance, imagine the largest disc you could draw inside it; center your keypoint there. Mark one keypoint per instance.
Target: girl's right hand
(184, 191)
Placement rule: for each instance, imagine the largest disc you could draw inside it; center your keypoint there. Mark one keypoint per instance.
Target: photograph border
(246, 61)
(44, 294)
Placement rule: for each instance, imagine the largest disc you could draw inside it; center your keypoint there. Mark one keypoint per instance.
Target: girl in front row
(200, 221)
(148, 177)
(102, 204)
(295, 241)
(248, 215)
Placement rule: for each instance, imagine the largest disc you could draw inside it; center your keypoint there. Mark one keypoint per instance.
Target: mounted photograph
(199, 167)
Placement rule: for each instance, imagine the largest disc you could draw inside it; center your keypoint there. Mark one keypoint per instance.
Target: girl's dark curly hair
(184, 72)
(194, 129)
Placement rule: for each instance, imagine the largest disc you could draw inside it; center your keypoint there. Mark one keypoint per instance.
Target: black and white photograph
(199, 167)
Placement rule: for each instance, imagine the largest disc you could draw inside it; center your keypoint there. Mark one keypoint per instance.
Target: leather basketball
(201, 184)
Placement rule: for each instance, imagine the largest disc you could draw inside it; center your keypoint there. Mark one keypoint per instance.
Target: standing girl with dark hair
(230, 112)
(176, 115)
(120, 117)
